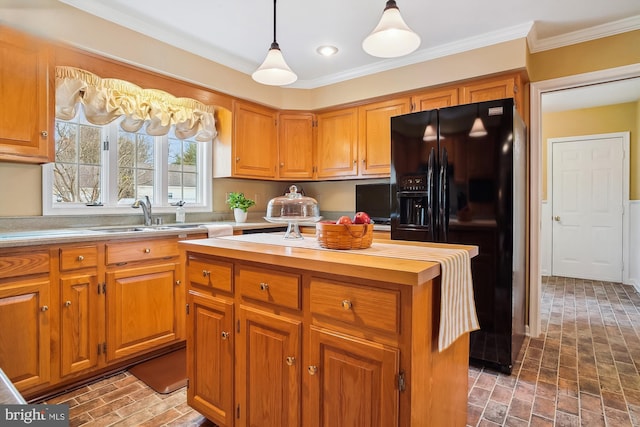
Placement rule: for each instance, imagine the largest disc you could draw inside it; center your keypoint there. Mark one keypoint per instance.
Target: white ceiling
(238, 33)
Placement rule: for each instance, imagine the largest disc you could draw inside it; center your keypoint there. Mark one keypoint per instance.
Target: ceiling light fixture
(327, 50)
(274, 71)
(392, 37)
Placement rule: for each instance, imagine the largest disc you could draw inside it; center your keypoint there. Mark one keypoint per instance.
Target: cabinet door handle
(44, 308)
(178, 282)
(80, 258)
(206, 273)
(67, 303)
(312, 369)
(264, 286)
(224, 335)
(147, 250)
(44, 133)
(346, 304)
(556, 218)
(290, 360)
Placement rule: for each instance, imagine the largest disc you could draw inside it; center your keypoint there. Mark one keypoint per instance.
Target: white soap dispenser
(180, 212)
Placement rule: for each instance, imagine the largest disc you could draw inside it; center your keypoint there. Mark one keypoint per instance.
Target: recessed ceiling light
(327, 50)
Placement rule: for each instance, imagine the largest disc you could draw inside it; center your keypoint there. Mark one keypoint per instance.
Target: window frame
(109, 181)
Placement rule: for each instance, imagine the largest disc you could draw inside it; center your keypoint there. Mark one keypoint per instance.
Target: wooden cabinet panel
(78, 323)
(337, 144)
(268, 371)
(351, 382)
(141, 306)
(210, 358)
(25, 335)
(140, 250)
(78, 257)
(374, 144)
(209, 275)
(25, 132)
(23, 264)
(509, 86)
(295, 146)
(254, 141)
(435, 99)
(362, 306)
(270, 286)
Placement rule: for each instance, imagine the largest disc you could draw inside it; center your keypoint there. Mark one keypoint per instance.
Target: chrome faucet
(146, 209)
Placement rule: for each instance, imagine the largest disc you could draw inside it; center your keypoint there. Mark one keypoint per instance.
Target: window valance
(105, 100)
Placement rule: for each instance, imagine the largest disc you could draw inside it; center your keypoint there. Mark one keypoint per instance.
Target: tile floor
(583, 371)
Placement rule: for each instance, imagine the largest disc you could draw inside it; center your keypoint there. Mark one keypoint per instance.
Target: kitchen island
(285, 333)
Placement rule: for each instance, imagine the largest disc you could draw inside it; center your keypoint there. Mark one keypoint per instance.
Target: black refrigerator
(458, 175)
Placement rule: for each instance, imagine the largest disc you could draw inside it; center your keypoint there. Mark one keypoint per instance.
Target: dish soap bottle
(180, 213)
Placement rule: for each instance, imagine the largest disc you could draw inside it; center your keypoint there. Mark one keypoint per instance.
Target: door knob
(556, 218)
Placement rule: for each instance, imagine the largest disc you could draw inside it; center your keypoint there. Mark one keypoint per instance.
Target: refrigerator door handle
(444, 197)
(431, 199)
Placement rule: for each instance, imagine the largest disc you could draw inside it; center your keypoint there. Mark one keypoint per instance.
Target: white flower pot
(239, 215)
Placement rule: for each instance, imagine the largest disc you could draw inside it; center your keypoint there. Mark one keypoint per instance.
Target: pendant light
(478, 129)
(274, 71)
(429, 133)
(391, 37)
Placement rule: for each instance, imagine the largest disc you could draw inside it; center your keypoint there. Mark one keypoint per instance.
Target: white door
(587, 206)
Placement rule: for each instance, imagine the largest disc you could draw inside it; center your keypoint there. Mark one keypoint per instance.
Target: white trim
(634, 243)
(599, 31)
(625, 136)
(535, 156)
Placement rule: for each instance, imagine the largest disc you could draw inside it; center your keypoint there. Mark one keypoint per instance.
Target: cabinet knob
(281, 165)
(80, 258)
(264, 286)
(44, 308)
(290, 360)
(556, 218)
(44, 133)
(312, 369)
(147, 250)
(67, 303)
(237, 159)
(346, 304)
(206, 273)
(355, 161)
(224, 335)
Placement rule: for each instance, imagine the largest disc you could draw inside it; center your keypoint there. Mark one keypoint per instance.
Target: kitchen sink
(152, 228)
(44, 233)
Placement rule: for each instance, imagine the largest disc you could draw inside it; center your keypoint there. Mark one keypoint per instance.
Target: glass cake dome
(292, 209)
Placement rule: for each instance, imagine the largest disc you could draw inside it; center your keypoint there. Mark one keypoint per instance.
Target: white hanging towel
(219, 230)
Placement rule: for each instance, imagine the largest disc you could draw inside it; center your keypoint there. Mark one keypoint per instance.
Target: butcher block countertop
(369, 263)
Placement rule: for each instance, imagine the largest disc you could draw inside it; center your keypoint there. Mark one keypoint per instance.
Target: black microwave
(375, 200)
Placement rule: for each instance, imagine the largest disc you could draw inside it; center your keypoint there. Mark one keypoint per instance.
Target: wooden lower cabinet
(25, 333)
(79, 322)
(210, 341)
(352, 382)
(141, 306)
(268, 369)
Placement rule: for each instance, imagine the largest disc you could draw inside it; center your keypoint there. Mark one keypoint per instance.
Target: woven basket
(344, 236)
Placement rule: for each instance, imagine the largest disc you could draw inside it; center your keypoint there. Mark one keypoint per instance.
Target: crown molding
(537, 44)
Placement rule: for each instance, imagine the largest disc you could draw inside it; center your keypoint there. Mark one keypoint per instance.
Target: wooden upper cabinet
(295, 145)
(493, 88)
(374, 144)
(435, 99)
(25, 132)
(337, 144)
(254, 141)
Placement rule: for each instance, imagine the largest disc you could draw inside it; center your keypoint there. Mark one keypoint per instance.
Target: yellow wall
(593, 121)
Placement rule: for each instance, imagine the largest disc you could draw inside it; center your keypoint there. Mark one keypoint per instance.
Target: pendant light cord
(274, 22)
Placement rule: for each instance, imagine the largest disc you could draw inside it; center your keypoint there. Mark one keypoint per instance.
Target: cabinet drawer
(210, 274)
(270, 286)
(122, 252)
(23, 264)
(78, 257)
(361, 306)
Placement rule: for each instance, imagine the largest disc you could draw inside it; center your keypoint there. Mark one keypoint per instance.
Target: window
(104, 169)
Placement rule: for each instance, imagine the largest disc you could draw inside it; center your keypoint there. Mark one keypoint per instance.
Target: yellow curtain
(105, 100)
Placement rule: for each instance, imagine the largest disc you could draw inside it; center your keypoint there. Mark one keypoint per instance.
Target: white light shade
(477, 129)
(392, 37)
(274, 70)
(429, 133)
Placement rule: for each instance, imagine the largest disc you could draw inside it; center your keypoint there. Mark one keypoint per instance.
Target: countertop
(92, 234)
(367, 263)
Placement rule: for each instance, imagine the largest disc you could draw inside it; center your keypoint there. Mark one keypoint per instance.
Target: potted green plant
(239, 204)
